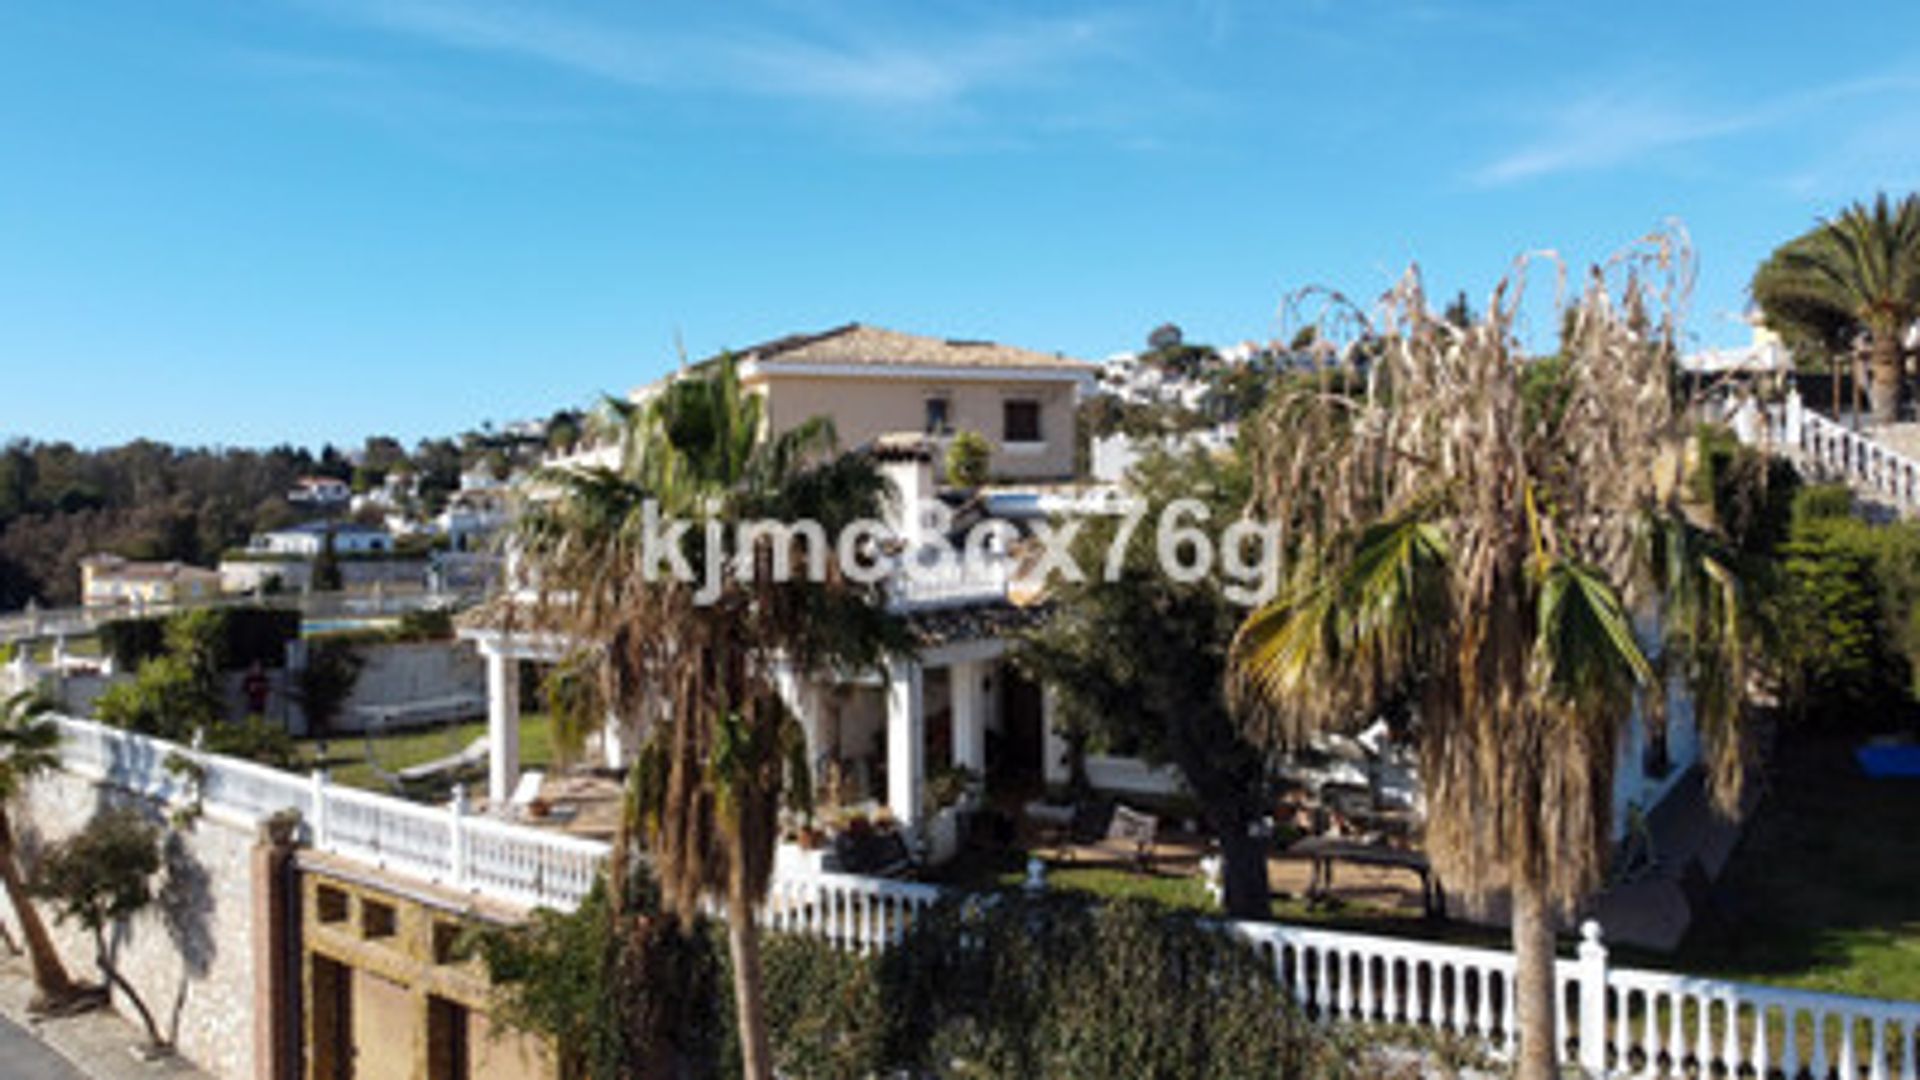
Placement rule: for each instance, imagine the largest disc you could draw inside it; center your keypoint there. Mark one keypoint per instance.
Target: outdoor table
(1325, 851)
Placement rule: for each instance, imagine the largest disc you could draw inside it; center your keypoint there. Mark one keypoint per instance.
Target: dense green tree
(1140, 661)
(101, 877)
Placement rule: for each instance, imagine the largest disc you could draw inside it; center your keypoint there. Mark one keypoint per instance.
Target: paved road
(22, 1057)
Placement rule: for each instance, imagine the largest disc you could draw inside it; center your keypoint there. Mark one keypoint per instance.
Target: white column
(969, 718)
(1056, 769)
(1795, 418)
(906, 728)
(804, 703)
(1593, 1006)
(613, 741)
(503, 727)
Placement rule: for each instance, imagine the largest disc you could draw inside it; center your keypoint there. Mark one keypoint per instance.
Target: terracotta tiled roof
(972, 622)
(857, 343)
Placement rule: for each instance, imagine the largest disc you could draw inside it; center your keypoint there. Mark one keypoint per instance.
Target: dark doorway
(449, 1057)
(330, 1017)
(1014, 759)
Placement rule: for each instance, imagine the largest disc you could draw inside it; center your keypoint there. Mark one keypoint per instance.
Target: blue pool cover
(1886, 762)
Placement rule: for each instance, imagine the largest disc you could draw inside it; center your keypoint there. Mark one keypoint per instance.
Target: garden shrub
(129, 642)
(1837, 651)
(1059, 986)
(254, 738)
(1822, 502)
(259, 635)
(247, 635)
(424, 624)
(1755, 496)
(641, 998)
(969, 460)
(1065, 986)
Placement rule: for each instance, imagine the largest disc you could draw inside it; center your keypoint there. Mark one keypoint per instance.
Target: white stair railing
(1828, 450)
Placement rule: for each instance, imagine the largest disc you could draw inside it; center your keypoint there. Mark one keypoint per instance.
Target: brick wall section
(194, 964)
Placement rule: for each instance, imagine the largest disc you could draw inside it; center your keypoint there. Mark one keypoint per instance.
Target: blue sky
(254, 221)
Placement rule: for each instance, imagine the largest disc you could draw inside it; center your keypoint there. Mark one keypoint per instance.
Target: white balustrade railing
(862, 914)
(1613, 1021)
(442, 845)
(1829, 450)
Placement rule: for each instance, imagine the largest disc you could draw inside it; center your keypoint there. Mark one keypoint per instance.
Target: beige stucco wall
(862, 408)
(194, 966)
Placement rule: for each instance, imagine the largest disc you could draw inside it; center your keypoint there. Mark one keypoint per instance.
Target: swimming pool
(310, 627)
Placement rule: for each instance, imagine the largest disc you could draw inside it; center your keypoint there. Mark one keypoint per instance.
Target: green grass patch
(982, 870)
(1824, 890)
(350, 759)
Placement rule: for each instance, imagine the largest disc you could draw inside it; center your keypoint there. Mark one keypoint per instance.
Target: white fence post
(1795, 415)
(1593, 1000)
(457, 835)
(319, 780)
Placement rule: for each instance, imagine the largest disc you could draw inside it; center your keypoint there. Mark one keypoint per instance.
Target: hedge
(252, 635)
(1000, 985)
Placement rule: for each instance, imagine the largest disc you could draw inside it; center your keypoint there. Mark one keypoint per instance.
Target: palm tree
(700, 673)
(1854, 276)
(1470, 530)
(29, 746)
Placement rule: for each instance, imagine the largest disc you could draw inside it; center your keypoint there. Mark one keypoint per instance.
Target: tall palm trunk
(50, 979)
(1883, 361)
(1533, 987)
(749, 985)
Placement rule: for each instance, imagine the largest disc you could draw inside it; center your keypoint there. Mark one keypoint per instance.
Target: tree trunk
(52, 985)
(1883, 361)
(749, 987)
(1230, 808)
(1244, 888)
(114, 979)
(1533, 989)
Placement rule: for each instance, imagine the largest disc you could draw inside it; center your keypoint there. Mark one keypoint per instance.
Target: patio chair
(875, 854)
(1130, 835)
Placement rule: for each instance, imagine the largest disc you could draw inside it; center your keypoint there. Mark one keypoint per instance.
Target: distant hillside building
(109, 579)
(320, 491)
(308, 539)
(284, 558)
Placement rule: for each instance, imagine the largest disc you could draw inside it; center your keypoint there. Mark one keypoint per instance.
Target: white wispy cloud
(1615, 128)
(842, 61)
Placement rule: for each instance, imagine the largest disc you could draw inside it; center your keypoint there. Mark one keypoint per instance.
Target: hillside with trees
(149, 500)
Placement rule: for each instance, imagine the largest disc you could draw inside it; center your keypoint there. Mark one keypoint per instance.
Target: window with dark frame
(1020, 420)
(939, 416)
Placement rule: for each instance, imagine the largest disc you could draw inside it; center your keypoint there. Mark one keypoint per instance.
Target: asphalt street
(22, 1057)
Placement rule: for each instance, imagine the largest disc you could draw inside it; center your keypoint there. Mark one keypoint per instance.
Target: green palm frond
(29, 741)
(1365, 613)
(1584, 636)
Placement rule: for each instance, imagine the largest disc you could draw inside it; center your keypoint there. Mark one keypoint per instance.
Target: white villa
(309, 539)
(956, 701)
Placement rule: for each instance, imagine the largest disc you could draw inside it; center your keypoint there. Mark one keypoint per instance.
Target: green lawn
(1824, 891)
(347, 755)
(985, 870)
